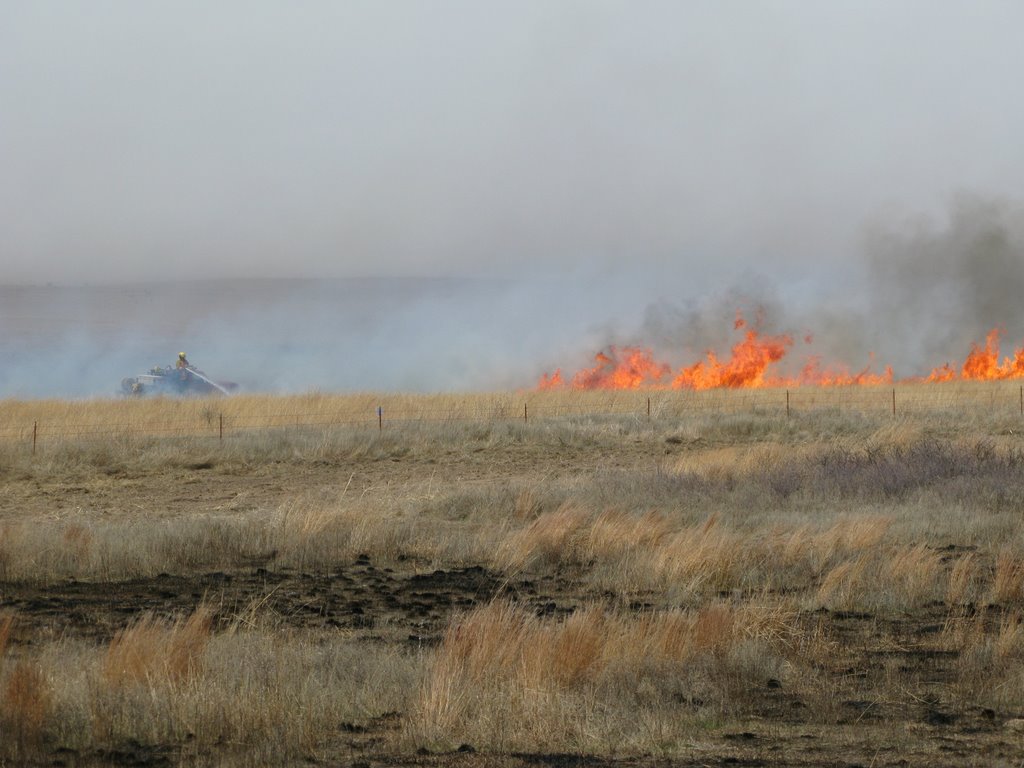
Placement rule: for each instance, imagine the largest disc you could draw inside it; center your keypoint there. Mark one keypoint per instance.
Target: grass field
(515, 579)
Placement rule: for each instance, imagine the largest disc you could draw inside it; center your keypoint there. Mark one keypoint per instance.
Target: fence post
(221, 422)
(648, 409)
(380, 419)
(35, 435)
(787, 403)
(526, 413)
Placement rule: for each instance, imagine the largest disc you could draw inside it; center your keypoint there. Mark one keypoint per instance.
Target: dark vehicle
(178, 382)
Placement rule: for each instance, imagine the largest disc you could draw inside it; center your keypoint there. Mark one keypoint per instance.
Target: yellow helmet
(181, 355)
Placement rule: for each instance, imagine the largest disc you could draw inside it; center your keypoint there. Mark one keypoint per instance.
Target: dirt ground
(400, 604)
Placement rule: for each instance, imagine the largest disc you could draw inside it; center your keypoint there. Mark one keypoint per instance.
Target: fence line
(662, 406)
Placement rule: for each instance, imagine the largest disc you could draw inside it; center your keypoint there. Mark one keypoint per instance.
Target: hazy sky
(685, 140)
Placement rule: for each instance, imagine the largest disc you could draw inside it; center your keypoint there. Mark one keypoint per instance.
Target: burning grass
(754, 362)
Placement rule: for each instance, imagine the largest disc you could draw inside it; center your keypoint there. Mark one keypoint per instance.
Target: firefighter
(183, 373)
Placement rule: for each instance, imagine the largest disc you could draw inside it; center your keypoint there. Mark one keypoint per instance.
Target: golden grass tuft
(732, 463)
(1009, 639)
(840, 584)
(6, 626)
(547, 539)
(903, 577)
(501, 658)
(528, 505)
(630, 552)
(913, 574)
(963, 578)
(157, 652)
(26, 705)
(301, 520)
(1008, 580)
(819, 548)
(706, 555)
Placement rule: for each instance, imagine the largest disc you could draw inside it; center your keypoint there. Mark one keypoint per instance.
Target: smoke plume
(935, 289)
(922, 293)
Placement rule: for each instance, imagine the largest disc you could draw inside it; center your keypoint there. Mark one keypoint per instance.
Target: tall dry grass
(839, 560)
(6, 626)
(156, 652)
(249, 695)
(505, 679)
(25, 709)
(843, 564)
(26, 700)
(894, 579)
(989, 650)
(1008, 581)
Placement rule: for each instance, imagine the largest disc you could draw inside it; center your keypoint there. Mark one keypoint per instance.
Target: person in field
(182, 366)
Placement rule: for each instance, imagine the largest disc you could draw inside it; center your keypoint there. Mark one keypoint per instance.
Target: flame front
(983, 364)
(626, 368)
(747, 367)
(752, 362)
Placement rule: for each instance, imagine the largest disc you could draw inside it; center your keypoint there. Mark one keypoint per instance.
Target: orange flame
(746, 368)
(628, 368)
(944, 372)
(814, 375)
(751, 365)
(982, 363)
(554, 381)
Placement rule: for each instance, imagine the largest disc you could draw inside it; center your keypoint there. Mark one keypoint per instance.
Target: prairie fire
(751, 364)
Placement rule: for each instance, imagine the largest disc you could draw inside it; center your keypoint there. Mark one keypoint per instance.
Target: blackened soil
(361, 596)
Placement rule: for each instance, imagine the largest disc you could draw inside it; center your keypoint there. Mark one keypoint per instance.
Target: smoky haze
(399, 334)
(923, 291)
(187, 140)
(461, 194)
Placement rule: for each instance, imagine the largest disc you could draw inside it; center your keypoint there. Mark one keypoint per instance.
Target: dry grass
(846, 560)
(25, 708)
(892, 578)
(115, 421)
(649, 552)
(508, 680)
(252, 697)
(6, 625)
(26, 700)
(156, 652)
(990, 659)
(695, 558)
(546, 540)
(1008, 581)
(963, 581)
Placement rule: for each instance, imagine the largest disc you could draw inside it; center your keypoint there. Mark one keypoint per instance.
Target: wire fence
(661, 406)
